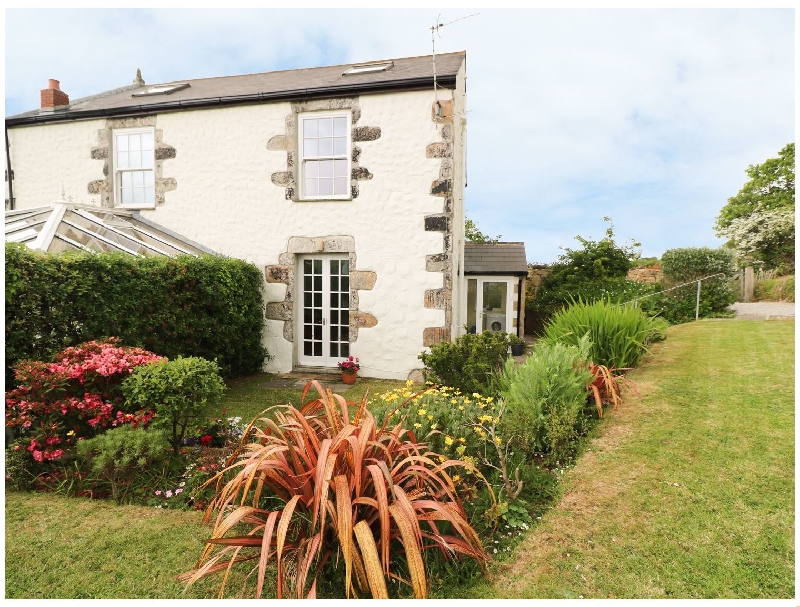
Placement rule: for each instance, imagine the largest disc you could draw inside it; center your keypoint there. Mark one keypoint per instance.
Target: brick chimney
(53, 98)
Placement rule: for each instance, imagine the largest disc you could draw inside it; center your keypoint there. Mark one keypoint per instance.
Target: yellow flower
(409, 383)
(456, 478)
(489, 399)
(71, 433)
(454, 401)
(476, 395)
(462, 440)
(460, 449)
(430, 417)
(418, 425)
(448, 440)
(421, 412)
(498, 440)
(460, 407)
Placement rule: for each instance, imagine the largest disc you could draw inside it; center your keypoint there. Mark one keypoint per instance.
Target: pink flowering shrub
(76, 396)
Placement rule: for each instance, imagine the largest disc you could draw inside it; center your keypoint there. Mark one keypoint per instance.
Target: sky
(647, 116)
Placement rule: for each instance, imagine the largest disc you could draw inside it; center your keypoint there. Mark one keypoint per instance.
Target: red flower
(206, 439)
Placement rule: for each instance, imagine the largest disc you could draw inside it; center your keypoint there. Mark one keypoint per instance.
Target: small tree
(764, 239)
(181, 391)
(473, 234)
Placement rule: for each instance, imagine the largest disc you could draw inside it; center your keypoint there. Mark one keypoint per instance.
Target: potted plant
(517, 345)
(349, 368)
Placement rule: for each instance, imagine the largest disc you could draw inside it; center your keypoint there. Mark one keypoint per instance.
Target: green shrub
(545, 398)
(619, 335)
(206, 306)
(20, 467)
(181, 391)
(681, 266)
(122, 456)
(469, 363)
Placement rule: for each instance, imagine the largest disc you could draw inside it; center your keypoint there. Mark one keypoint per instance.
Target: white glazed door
(325, 310)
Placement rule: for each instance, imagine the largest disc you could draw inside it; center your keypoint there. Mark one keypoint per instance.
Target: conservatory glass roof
(66, 226)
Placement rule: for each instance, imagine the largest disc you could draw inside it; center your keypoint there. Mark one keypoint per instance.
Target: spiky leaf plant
(315, 486)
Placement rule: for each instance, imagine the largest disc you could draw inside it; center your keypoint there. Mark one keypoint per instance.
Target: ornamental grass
(317, 491)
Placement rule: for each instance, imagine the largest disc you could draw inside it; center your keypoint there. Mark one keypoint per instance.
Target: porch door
(489, 304)
(325, 301)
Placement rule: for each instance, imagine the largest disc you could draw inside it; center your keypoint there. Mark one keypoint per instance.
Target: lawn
(687, 491)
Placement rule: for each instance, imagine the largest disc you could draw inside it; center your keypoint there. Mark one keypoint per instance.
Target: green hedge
(211, 307)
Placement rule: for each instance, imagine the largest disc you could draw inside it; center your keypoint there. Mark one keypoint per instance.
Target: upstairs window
(134, 168)
(325, 156)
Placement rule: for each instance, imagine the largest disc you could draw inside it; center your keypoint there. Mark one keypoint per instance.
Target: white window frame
(305, 159)
(119, 171)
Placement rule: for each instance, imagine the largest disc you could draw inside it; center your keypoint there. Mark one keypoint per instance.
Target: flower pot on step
(349, 378)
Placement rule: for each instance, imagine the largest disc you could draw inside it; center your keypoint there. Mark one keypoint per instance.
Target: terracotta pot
(348, 378)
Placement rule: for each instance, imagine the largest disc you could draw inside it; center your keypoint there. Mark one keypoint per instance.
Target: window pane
(149, 179)
(345, 333)
(335, 317)
(310, 127)
(325, 127)
(344, 350)
(126, 197)
(138, 196)
(339, 146)
(345, 318)
(147, 142)
(311, 187)
(326, 168)
(346, 267)
(138, 179)
(122, 160)
(334, 266)
(134, 142)
(318, 348)
(325, 187)
(135, 159)
(318, 332)
(318, 283)
(317, 300)
(345, 300)
(346, 283)
(326, 147)
(126, 180)
(122, 143)
(307, 348)
(312, 169)
(340, 186)
(334, 333)
(340, 126)
(340, 168)
(318, 270)
(318, 318)
(307, 269)
(334, 281)
(149, 196)
(334, 349)
(310, 148)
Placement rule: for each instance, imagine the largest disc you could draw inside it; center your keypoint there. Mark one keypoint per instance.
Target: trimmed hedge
(211, 307)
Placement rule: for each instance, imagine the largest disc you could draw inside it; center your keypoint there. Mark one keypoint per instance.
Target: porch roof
(495, 258)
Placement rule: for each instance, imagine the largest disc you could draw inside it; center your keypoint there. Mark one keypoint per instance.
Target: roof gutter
(171, 106)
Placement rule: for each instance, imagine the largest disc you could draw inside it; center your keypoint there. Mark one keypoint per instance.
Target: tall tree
(771, 187)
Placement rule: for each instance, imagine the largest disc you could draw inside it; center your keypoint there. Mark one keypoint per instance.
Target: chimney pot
(53, 98)
(52, 83)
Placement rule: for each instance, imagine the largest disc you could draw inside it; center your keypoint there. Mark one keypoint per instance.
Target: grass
(686, 492)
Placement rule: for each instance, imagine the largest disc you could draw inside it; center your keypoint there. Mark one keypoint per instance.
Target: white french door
(489, 304)
(324, 310)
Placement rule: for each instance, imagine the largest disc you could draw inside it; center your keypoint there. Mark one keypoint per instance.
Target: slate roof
(495, 258)
(409, 73)
(64, 226)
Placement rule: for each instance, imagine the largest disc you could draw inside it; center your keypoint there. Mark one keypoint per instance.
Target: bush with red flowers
(76, 396)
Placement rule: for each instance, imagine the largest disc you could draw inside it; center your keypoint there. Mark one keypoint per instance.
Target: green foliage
(469, 363)
(20, 467)
(473, 234)
(619, 335)
(122, 454)
(684, 265)
(763, 239)
(207, 306)
(775, 289)
(181, 391)
(545, 398)
(598, 270)
(770, 187)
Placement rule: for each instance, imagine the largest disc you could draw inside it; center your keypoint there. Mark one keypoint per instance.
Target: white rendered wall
(42, 157)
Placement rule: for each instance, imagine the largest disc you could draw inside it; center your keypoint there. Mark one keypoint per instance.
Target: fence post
(749, 283)
(697, 305)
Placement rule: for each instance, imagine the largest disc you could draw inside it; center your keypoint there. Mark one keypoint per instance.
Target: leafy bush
(181, 392)
(122, 454)
(598, 270)
(469, 363)
(318, 487)
(685, 265)
(618, 335)
(210, 307)
(545, 399)
(74, 397)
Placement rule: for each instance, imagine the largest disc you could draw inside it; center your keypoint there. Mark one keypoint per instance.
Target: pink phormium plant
(74, 397)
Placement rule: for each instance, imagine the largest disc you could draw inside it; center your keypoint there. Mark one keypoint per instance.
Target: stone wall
(649, 274)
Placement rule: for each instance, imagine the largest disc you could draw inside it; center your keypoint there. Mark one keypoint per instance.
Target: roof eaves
(417, 83)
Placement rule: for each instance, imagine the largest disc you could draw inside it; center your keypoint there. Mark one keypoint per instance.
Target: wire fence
(699, 281)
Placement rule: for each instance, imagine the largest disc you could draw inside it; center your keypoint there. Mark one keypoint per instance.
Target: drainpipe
(520, 303)
(10, 176)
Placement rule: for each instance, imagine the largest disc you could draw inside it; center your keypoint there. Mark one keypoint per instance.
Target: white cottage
(344, 183)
